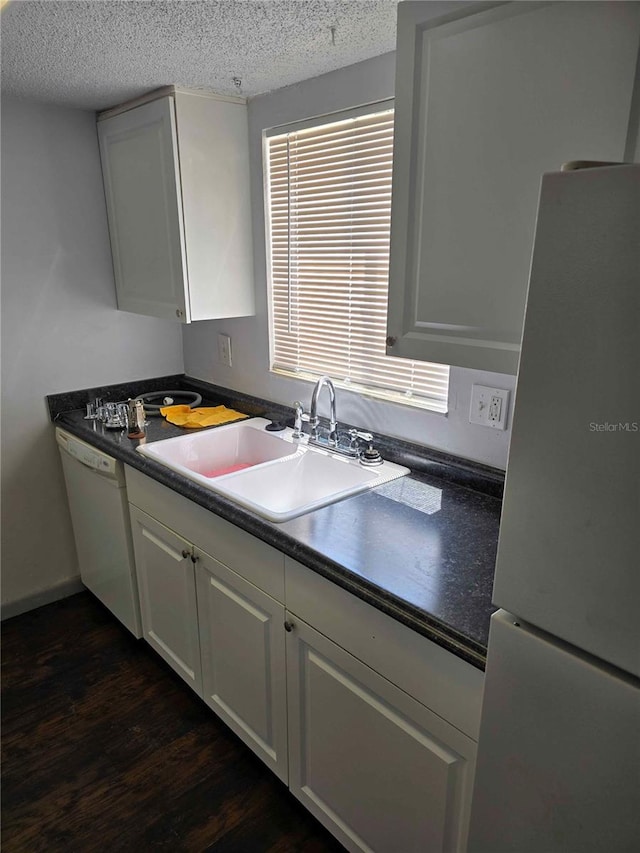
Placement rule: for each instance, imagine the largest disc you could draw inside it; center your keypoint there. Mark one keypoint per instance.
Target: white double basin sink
(266, 472)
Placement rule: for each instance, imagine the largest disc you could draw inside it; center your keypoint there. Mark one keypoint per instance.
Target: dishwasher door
(102, 529)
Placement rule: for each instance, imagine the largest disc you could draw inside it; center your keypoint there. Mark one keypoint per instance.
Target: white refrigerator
(559, 749)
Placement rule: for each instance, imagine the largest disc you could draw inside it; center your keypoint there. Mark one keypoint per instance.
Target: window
(329, 214)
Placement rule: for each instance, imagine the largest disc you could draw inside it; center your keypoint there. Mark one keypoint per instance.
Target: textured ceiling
(93, 55)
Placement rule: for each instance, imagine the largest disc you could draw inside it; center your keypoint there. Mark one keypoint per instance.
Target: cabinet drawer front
(254, 560)
(376, 767)
(446, 684)
(167, 596)
(243, 660)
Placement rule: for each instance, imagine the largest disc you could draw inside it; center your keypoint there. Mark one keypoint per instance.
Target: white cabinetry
(486, 101)
(243, 659)
(167, 589)
(176, 177)
(380, 770)
(237, 626)
(373, 726)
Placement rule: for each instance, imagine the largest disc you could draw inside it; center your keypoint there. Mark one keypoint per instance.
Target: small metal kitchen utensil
(135, 419)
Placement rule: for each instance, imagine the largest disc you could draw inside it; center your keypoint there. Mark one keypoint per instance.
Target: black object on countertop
(277, 424)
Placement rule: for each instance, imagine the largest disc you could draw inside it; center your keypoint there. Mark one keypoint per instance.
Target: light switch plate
(489, 406)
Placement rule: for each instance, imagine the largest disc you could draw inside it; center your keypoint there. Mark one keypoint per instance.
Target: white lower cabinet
(167, 589)
(243, 659)
(377, 768)
(373, 726)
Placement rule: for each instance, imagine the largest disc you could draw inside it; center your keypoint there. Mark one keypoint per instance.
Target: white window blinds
(329, 212)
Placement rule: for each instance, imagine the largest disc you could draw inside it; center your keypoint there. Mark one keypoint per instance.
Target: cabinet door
(486, 102)
(377, 768)
(243, 660)
(213, 139)
(138, 150)
(166, 581)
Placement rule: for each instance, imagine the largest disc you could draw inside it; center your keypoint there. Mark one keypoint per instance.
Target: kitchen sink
(309, 480)
(268, 473)
(221, 451)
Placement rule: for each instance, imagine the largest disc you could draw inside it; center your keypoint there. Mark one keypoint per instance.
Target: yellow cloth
(185, 416)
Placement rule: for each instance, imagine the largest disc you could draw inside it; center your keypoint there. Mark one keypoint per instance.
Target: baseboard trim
(39, 599)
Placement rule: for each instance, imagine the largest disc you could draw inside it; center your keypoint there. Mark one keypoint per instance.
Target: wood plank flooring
(104, 748)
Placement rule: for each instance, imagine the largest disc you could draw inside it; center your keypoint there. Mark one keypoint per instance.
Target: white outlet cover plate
(224, 349)
(482, 398)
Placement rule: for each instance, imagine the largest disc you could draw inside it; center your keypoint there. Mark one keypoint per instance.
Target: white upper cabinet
(487, 99)
(176, 177)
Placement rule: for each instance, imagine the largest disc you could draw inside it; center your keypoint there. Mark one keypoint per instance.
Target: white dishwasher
(102, 529)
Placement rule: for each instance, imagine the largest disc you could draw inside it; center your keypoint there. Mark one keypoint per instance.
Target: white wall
(60, 330)
(366, 82)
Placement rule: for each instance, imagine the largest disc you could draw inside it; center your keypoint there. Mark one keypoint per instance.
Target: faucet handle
(355, 434)
(300, 417)
(365, 436)
(370, 456)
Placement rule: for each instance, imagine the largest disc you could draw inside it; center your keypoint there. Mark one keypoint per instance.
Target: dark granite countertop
(421, 549)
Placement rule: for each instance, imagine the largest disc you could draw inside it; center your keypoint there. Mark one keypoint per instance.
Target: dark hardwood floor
(104, 748)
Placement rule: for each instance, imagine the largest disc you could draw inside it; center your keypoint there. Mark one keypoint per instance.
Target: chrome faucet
(314, 420)
(346, 444)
